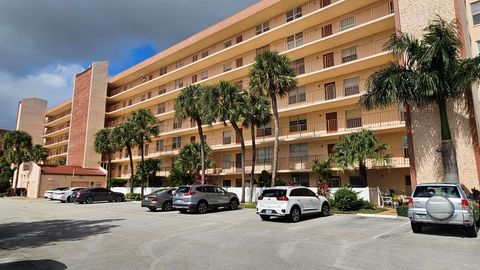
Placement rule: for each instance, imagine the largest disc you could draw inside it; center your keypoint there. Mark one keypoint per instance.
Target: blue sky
(137, 55)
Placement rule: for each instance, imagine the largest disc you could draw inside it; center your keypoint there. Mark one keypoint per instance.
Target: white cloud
(53, 83)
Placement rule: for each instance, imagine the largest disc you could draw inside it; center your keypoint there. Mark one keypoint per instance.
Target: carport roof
(70, 170)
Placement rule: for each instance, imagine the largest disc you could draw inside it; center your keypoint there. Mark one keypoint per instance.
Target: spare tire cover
(439, 208)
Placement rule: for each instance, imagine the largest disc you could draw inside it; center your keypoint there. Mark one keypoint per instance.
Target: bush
(4, 185)
(117, 182)
(402, 211)
(133, 196)
(364, 204)
(347, 200)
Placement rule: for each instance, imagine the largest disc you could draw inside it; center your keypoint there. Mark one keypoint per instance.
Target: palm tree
(125, 135)
(38, 154)
(272, 76)
(190, 104)
(187, 164)
(323, 168)
(354, 149)
(431, 72)
(257, 112)
(17, 143)
(145, 126)
(149, 167)
(228, 104)
(105, 145)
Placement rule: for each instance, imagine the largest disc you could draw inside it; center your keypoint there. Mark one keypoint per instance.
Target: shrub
(133, 196)
(347, 200)
(364, 204)
(117, 182)
(402, 211)
(4, 185)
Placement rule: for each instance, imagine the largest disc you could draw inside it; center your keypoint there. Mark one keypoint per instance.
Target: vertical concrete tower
(31, 118)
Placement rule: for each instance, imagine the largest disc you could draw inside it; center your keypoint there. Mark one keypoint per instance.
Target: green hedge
(402, 211)
(133, 196)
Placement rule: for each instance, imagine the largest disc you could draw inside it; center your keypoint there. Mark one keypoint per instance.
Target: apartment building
(334, 46)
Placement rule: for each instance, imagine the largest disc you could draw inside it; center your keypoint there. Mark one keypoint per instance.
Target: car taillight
(153, 198)
(61, 193)
(260, 197)
(189, 193)
(465, 205)
(282, 198)
(410, 202)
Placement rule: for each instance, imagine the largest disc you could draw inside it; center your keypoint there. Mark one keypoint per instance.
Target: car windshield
(183, 190)
(430, 191)
(274, 192)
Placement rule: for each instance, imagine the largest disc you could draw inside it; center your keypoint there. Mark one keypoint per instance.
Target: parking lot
(39, 234)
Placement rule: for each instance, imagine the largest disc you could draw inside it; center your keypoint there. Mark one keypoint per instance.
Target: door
(331, 122)
(222, 196)
(238, 161)
(330, 91)
(324, 3)
(408, 185)
(296, 196)
(328, 60)
(327, 30)
(314, 202)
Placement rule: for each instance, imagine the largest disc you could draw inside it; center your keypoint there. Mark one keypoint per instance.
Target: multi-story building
(334, 46)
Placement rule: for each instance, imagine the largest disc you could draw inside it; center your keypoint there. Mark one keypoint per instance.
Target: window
(478, 47)
(301, 179)
(351, 86)
(227, 183)
(354, 118)
(160, 146)
(335, 181)
(298, 123)
(391, 6)
(177, 123)
(227, 161)
(405, 146)
(264, 130)
(328, 60)
(261, 28)
(178, 83)
(147, 147)
(297, 95)
(299, 66)
(239, 38)
(436, 190)
(327, 30)
(161, 126)
(294, 14)
(162, 89)
(330, 149)
(192, 139)
(227, 137)
(262, 49)
(299, 151)
(227, 66)
(161, 108)
(204, 54)
(347, 23)
(227, 44)
(194, 78)
(195, 58)
(163, 71)
(150, 77)
(178, 64)
(204, 75)
(142, 97)
(239, 62)
(149, 95)
(176, 142)
(294, 41)
(475, 12)
(330, 91)
(130, 102)
(349, 54)
(238, 183)
(265, 155)
(324, 3)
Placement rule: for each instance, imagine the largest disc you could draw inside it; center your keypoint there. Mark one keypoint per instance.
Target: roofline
(59, 106)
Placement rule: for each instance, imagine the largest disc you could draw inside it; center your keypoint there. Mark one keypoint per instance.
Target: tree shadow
(444, 230)
(17, 235)
(33, 265)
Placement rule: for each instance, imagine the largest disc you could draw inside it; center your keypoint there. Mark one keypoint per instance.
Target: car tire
(295, 214)
(89, 200)
(183, 211)
(265, 217)
(233, 205)
(167, 206)
(63, 201)
(202, 207)
(416, 227)
(325, 210)
(472, 230)
(152, 209)
(118, 198)
(69, 200)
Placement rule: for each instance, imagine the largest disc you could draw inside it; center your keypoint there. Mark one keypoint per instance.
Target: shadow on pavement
(41, 233)
(33, 265)
(444, 230)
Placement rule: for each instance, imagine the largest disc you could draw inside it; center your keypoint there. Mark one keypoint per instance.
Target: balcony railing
(55, 140)
(58, 116)
(57, 128)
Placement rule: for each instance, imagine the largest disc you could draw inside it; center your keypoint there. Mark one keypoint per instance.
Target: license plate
(269, 211)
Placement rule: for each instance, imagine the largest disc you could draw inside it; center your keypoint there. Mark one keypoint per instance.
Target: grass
(249, 205)
(361, 211)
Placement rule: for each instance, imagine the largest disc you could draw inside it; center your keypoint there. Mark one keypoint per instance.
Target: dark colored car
(90, 195)
(161, 198)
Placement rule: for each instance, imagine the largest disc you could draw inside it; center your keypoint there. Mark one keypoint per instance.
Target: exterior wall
(31, 117)
(29, 179)
(425, 121)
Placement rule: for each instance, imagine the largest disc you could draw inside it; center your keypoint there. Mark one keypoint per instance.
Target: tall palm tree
(257, 112)
(190, 104)
(186, 167)
(229, 105)
(431, 72)
(38, 154)
(354, 149)
(125, 135)
(145, 122)
(105, 145)
(17, 143)
(272, 76)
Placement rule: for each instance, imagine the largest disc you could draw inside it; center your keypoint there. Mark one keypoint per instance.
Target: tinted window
(171, 191)
(209, 189)
(310, 193)
(183, 189)
(77, 189)
(219, 190)
(296, 192)
(102, 190)
(274, 192)
(429, 191)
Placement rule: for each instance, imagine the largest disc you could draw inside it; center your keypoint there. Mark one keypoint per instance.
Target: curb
(377, 216)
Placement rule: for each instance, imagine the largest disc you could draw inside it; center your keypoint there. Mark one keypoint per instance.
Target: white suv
(292, 202)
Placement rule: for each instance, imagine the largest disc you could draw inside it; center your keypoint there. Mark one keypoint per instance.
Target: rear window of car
(430, 191)
(274, 192)
(160, 191)
(183, 190)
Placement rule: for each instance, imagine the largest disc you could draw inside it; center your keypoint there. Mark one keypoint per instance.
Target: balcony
(56, 131)
(56, 141)
(58, 119)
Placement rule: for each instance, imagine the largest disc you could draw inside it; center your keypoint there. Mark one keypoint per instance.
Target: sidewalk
(390, 213)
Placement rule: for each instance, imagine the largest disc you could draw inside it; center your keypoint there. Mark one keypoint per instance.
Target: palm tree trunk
(449, 159)
(129, 150)
(242, 147)
(202, 148)
(16, 177)
(254, 157)
(363, 172)
(276, 142)
(142, 184)
(109, 170)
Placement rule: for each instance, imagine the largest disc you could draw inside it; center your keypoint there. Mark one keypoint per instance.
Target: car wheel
(153, 209)
(472, 230)
(183, 211)
(295, 214)
(63, 201)
(89, 199)
(118, 199)
(167, 206)
(416, 227)
(69, 199)
(233, 205)
(325, 210)
(202, 207)
(264, 217)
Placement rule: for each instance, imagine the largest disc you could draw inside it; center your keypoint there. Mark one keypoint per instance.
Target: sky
(44, 43)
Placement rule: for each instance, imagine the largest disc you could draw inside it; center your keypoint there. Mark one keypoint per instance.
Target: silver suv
(443, 203)
(200, 198)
